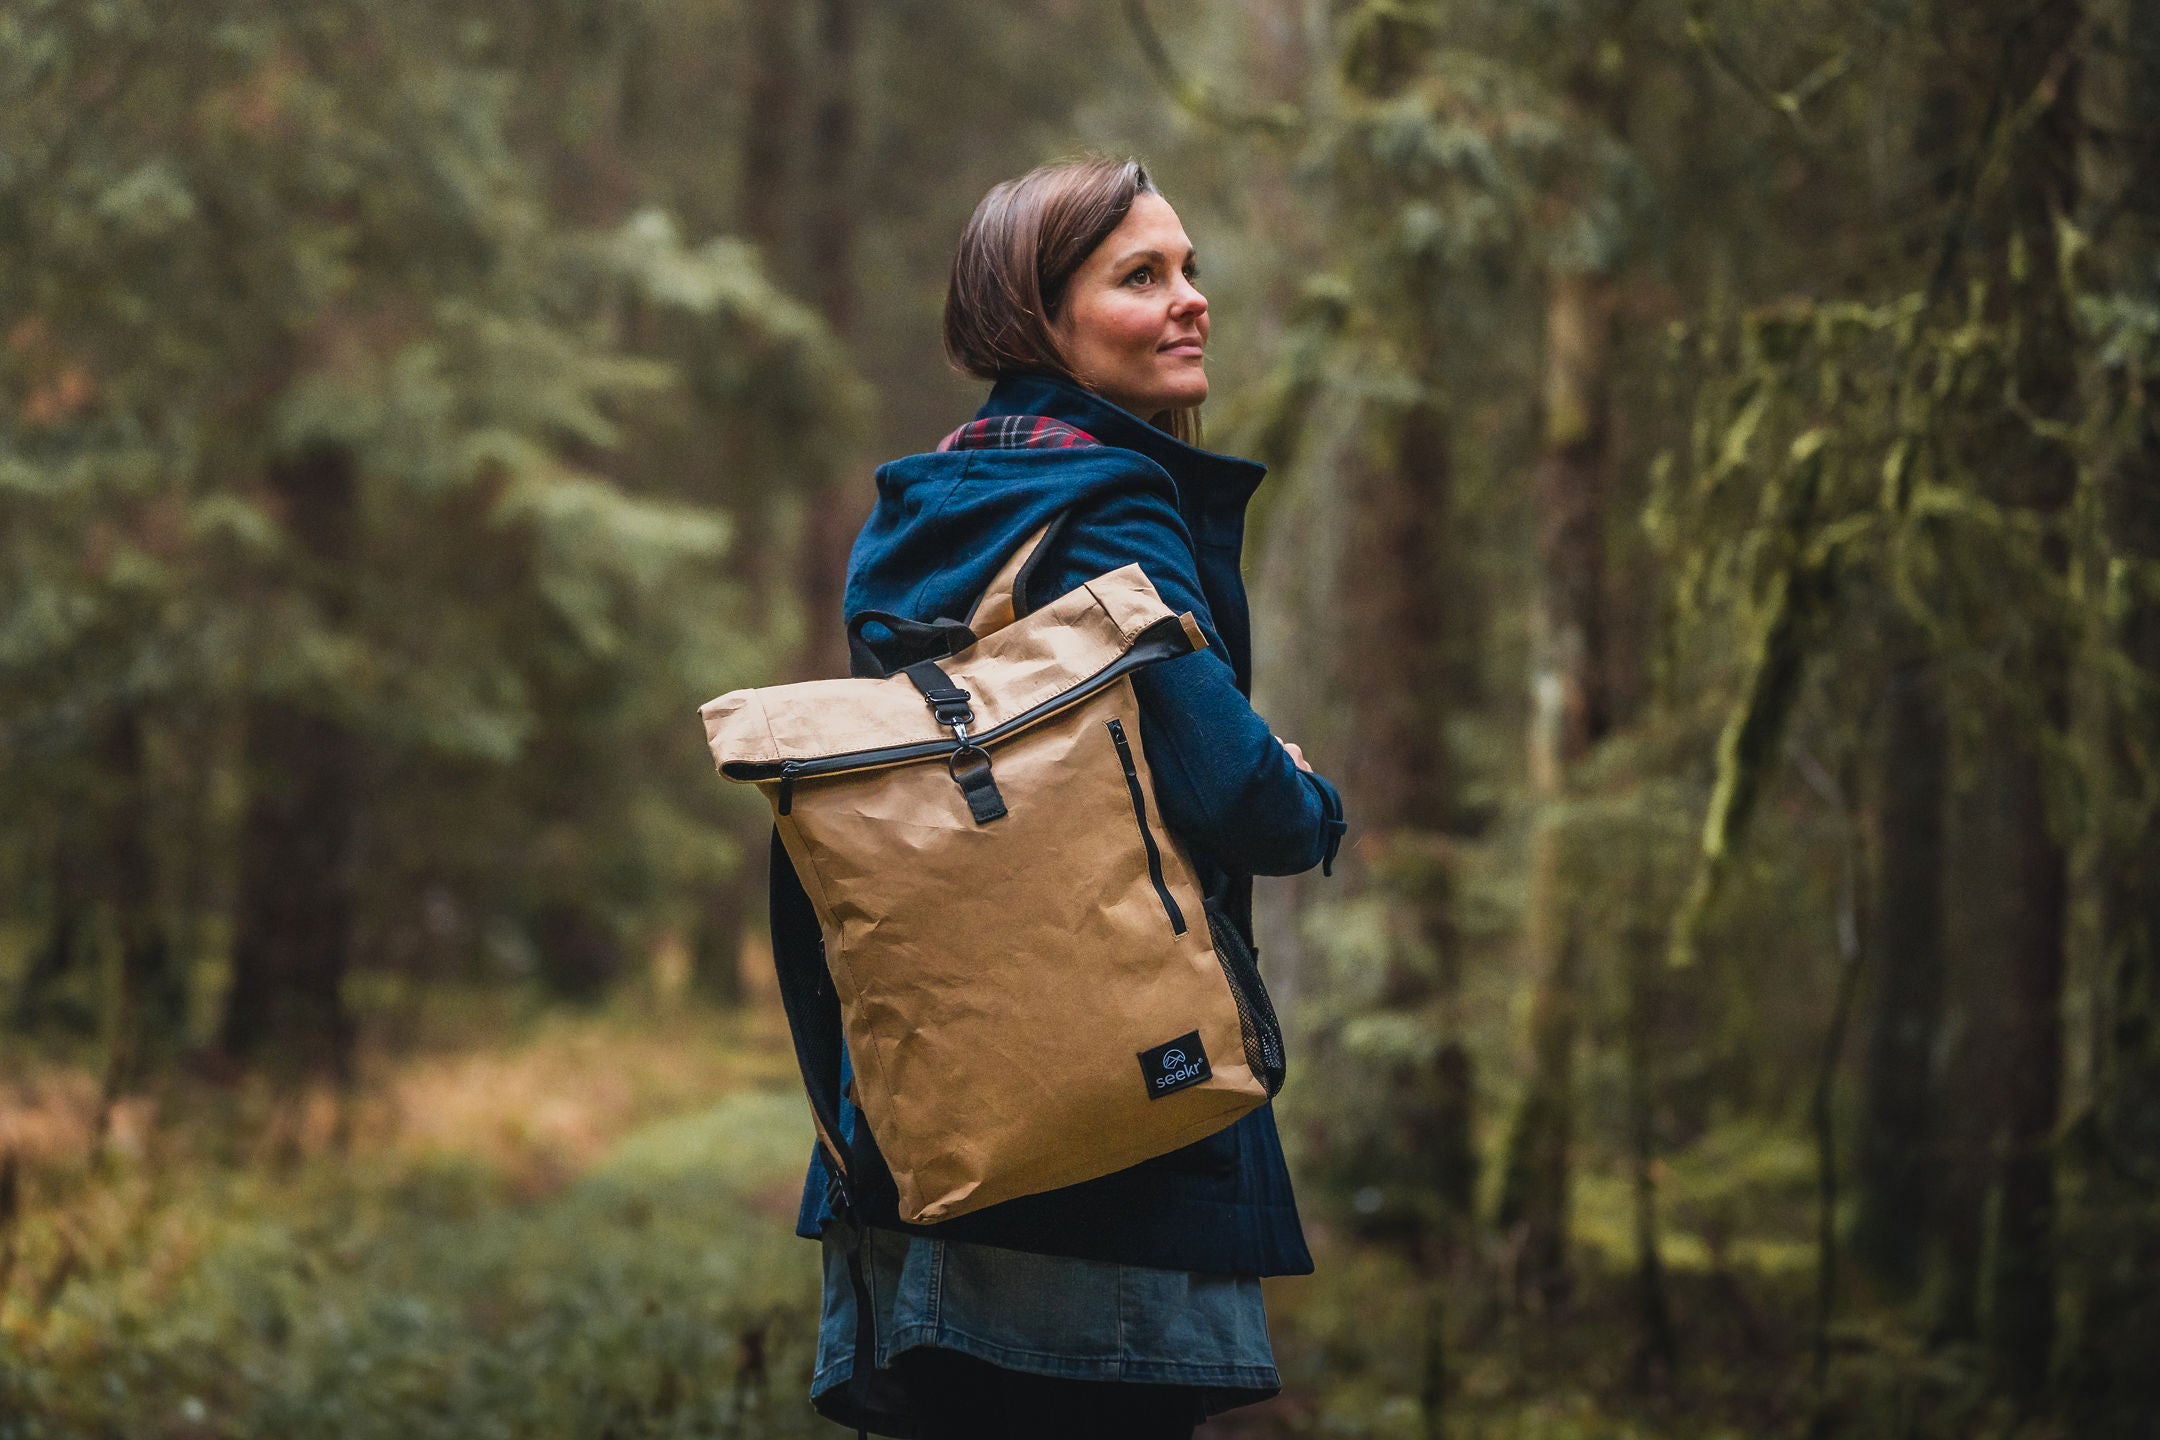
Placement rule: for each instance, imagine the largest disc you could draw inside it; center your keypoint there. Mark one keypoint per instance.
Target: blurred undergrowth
(537, 1239)
(539, 1224)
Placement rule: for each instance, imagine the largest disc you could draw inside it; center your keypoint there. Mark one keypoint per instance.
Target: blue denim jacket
(941, 525)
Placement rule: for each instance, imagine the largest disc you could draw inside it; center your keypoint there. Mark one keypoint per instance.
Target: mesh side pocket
(1256, 1013)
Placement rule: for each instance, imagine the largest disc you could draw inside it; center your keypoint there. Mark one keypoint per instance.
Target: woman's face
(1131, 326)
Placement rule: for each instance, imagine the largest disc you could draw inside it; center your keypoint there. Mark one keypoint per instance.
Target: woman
(1128, 1306)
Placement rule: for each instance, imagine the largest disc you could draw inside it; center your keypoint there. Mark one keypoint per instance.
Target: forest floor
(568, 1225)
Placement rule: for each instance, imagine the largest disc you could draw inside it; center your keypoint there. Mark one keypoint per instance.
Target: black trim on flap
(1163, 640)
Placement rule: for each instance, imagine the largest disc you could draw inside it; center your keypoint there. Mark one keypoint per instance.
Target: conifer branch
(1196, 96)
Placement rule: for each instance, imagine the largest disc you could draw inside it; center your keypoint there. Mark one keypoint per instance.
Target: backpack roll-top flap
(1013, 677)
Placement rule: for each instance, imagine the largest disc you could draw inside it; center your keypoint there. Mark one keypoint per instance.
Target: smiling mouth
(1184, 347)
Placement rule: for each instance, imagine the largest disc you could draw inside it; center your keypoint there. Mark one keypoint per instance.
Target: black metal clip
(950, 705)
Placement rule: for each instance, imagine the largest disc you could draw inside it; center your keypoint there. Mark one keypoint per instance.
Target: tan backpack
(1033, 991)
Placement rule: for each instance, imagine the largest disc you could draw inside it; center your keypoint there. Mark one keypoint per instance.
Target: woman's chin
(1184, 393)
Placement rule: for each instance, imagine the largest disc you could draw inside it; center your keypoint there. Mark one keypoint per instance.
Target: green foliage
(235, 234)
(751, 351)
(1473, 159)
(425, 1301)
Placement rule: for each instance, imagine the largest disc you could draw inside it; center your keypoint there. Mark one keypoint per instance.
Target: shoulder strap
(1006, 593)
(813, 1012)
(999, 606)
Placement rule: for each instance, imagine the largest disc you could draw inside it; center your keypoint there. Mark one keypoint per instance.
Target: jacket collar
(1218, 479)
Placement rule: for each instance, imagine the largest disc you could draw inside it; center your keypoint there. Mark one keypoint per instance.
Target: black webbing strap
(969, 766)
(1024, 582)
(970, 769)
(946, 700)
(813, 1012)
(864, 1368)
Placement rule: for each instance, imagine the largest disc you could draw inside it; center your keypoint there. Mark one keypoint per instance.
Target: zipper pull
(786, 798)
(1124, 749)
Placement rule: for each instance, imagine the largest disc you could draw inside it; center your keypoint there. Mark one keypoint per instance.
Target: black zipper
(1164, 640)
(1147, 836)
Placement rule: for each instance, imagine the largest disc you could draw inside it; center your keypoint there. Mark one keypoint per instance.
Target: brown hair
(1020, 248)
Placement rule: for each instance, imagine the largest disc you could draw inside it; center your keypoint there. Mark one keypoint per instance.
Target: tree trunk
(1824, 1103)
(766, 216)
(765, 209)
(716, 948)
(1568, 716)
(1398, 603)
(2037, 475)
(1977, 868)
(580, 955)
(38, 1001)
(1964, 1137)
(293, 921)
(1657, 1345)
(2022, 1334)
(1899, 1144)
(838, 509)
(1398, 600)
(1899, 1148)
(2115, 1388)
(835, 141)
(150, 996)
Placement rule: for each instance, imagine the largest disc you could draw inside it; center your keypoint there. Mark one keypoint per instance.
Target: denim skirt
(1041, 1315)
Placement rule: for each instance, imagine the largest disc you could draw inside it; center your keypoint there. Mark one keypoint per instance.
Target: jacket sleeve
(1223, 782)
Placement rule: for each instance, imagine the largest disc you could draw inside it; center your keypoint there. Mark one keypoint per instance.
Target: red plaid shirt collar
(1017, 432)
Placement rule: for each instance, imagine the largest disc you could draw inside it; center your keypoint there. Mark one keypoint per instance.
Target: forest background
(1713, 533)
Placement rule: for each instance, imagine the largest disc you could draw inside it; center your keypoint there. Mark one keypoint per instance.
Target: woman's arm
(1224, 783)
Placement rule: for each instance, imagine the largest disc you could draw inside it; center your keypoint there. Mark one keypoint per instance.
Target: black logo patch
(1174, 1065)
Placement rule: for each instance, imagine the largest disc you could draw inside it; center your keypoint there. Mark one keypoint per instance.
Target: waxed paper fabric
(1036, 1000)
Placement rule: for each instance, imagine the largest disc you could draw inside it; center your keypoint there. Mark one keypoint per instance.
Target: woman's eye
(1144, 273)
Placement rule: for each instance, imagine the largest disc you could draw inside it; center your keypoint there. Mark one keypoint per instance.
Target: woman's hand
(1297, 756)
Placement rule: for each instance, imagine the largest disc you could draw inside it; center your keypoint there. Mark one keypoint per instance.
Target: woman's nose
(1186, 301)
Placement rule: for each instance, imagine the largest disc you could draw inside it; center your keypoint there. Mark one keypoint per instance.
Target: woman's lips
(1184, 347)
